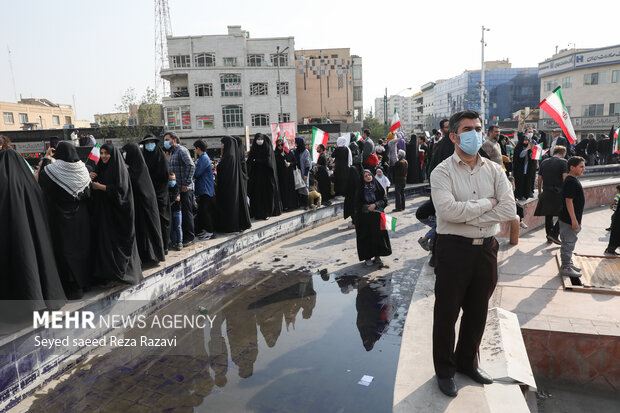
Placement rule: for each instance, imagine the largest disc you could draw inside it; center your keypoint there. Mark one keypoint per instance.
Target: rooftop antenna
(12, 74)
(163, 29)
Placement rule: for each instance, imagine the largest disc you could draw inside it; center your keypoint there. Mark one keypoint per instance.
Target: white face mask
(259, 142)
(529, 135)
(124, 155)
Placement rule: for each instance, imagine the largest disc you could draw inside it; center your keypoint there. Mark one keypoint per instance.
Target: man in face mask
(472, 196)
(558, 139)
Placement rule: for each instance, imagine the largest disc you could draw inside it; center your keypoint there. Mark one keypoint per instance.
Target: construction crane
(163, 29)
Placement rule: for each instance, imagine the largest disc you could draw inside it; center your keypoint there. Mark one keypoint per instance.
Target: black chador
(371, 240)
(263, 182)
(28, 269)
(116, 256)
(286, 180)
(66, 185)
(148, 226)
(158, 171)
(231, 198)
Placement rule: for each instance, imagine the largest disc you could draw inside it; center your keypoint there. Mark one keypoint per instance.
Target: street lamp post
(385, 104)
(278, 53)
(482, 92)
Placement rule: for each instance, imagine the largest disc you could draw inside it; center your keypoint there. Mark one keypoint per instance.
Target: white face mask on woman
(259, 142)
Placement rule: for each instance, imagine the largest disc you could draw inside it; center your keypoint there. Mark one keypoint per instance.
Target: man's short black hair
(492, 128)
(200, 144)
(173, 136)
(575, 161)
(442, 122)
(367, 132)
(455, 120)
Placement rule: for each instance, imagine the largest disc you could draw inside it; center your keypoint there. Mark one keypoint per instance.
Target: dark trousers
(187, 212)
(551, 228)
(466, 276)
(399, 194)
(204, 217)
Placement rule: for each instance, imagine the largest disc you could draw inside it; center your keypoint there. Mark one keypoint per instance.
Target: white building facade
(219, 84)
(590, 81)
(405, 106)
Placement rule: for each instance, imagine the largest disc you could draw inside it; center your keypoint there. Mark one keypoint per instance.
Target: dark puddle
(283, 342)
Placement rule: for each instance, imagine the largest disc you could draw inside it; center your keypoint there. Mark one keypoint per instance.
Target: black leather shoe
(447, 386)
(478, 375)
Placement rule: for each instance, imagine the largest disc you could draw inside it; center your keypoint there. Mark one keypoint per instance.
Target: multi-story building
(428, 105)
(35, 114)
(329, 86)
(418, 111)
(590, 81)
(507, 89)
(219, 84)
(405, 106)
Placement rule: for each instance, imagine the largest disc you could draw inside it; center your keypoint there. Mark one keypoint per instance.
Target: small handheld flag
(387, 223)
(395, 121)
(537, 152)
(318, 137)
(95, 153)
(555, 107)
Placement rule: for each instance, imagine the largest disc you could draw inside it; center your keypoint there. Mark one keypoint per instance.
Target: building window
(614, 108)
(340, 82)
(204, 59)
(203, 89)
(357, 93)
(204, 121)
(550, 85)
(593, 110)
(357, 72)
(282, 88)
(67, 120)
(132, 122)
(598, 78)
(260, 119)
(256, 60)
(282, 61)
(567, 82)
(8, 118)
(178, 117)
(284, 117)
(56, 120)
(23, 118)
(180, 92)
(258, 89)
(181, 61)
(230, 61)
(232, 116)
(615, 76)
(230, 84)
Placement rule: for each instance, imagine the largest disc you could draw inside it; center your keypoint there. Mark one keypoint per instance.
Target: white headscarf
(384, 181)
(343, 141)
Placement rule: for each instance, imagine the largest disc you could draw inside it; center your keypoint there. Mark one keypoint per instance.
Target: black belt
(466, 240)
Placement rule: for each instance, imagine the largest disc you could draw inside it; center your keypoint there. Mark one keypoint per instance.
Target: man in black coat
(558, 139)
(591, 150)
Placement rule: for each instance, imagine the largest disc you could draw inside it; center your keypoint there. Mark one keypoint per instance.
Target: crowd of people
(78, 224)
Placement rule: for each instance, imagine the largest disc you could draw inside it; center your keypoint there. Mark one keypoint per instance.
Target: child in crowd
(519, 207)
(570, 217)
(176, 234)
(614, 205)
(314, 196)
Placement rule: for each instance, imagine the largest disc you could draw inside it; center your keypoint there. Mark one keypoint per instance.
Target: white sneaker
(369, 263)
(523, 225)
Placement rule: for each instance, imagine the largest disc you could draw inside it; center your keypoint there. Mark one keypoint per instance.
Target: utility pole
(482, 91)
(12, 74)
(385, 101)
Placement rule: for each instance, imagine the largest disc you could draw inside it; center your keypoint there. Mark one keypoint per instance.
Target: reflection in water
(374, 310)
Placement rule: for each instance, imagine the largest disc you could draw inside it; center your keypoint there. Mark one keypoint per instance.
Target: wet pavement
(295, 328)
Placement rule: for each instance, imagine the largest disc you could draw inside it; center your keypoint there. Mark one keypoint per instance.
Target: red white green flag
(395, 121)
(94, 154)
(358, 137)
(616, 140)
(537, 152)
(387, 223)
(318, 137)
(555, 107)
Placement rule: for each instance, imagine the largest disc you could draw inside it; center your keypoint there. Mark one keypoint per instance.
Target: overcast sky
(94, 50)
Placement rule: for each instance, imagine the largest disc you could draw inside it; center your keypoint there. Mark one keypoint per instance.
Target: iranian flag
(395, 121)
(616, 140)
(555, 107)
(94, 154)
(387, 223)
(537, 152)
(358, 137)
(318, 137)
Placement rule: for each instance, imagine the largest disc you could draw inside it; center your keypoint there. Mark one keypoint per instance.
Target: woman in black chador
(148, 226)
(343, 159)
(323, 180)
(230, 197)
(263, 182)
(115, 251)
(371, 240)
(285, 163)
(414, 174)
(523, 168)
(158, 171)
(66, 185)
(28, 268)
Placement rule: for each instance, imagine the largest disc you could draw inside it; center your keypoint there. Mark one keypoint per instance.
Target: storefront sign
(603, 123)
(606, 56)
